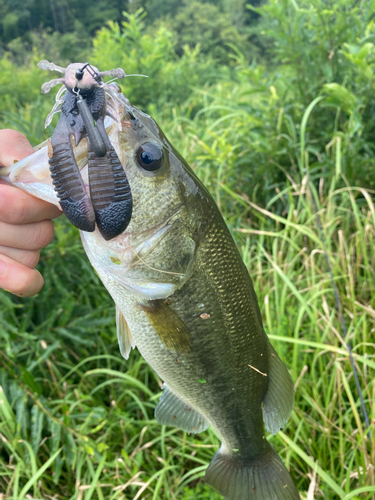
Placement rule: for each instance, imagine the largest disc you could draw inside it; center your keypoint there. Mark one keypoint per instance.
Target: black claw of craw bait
(83, 111)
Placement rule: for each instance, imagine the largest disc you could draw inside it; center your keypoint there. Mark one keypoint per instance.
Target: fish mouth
(108, 203)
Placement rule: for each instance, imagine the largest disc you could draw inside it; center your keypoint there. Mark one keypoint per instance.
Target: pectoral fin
(124, 336)
(171, 410)
(168, 325)
(279, 400)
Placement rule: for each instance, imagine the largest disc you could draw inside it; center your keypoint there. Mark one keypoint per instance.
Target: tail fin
(263, 479)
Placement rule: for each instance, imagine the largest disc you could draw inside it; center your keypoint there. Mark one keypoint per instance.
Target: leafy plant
(267, 138)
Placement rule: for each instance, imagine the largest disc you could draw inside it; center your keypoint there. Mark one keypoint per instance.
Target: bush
(252, 132)
(204, 25)
(170, 78)
(315, 49)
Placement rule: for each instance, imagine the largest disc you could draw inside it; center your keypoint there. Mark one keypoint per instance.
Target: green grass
(76, 420)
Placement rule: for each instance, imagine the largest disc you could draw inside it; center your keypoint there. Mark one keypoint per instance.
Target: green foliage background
(231, 84)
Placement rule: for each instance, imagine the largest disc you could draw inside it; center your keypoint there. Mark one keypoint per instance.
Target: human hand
(25, 224)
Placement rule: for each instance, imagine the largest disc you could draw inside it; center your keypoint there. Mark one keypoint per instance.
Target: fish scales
(185, 299)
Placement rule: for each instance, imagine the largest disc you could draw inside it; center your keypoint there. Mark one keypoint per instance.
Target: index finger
(18, 207)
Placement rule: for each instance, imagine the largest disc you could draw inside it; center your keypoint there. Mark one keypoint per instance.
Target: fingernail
(3, 266)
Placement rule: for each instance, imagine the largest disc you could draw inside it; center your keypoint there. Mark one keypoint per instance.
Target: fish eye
(150, 156)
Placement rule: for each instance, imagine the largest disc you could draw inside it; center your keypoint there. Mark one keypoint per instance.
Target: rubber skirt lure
(83, 109)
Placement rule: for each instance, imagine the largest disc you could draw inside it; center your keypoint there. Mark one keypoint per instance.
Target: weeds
(76, 420)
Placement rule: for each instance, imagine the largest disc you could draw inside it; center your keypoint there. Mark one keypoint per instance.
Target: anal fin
(124, 336)
(279, 400)
(171, 410)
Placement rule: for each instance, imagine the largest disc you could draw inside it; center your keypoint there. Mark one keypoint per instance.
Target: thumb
(13, 147)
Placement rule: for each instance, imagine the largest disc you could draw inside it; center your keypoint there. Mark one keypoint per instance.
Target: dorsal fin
(279, 400)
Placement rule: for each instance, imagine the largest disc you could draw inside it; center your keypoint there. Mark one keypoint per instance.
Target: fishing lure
(83, 110)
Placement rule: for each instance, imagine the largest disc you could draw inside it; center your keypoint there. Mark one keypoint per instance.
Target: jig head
(83, 111)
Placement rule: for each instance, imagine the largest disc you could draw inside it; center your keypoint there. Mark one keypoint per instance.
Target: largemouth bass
(185, 298)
